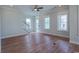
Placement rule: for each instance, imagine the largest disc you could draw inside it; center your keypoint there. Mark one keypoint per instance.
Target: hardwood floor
(37, 43)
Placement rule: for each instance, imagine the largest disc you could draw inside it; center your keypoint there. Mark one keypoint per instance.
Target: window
(28, 24)
(37, 25)
(47, 23)
(62, 22)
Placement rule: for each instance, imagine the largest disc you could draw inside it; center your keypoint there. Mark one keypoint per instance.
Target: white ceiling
(28, 9)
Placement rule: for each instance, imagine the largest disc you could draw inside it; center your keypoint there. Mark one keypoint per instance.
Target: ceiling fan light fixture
(35, 9)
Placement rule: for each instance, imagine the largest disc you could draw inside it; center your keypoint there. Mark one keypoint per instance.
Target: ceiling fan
(37, 8)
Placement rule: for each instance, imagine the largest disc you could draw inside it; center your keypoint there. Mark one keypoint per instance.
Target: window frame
(58, 17)
(47, 23)
(28, 26)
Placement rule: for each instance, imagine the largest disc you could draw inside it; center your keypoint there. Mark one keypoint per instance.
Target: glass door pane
(28, 25)
(37, 25)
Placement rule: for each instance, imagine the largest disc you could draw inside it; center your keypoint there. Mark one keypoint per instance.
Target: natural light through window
(47, 23)
(28, 24)
(62, 22)
(37, 25)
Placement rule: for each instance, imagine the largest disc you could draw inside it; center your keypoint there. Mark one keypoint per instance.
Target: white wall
(12, 22)
(78, 21)
(0, 29)
(53, 23)
(73, 10)
(0, 23)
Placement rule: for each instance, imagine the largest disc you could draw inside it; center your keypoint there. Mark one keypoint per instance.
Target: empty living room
(39, 28)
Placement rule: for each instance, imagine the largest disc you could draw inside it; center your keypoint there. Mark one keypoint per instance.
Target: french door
(37, 26)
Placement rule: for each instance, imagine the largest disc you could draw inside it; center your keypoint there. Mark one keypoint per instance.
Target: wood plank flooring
(37, 43)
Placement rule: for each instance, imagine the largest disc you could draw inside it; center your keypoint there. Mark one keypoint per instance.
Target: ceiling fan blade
(37, 9)
(40, 8)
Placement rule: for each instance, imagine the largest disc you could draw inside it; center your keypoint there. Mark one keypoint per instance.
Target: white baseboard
(18, 34)
(32, 32)
(74, 42)
(56, 34)
(62, 35)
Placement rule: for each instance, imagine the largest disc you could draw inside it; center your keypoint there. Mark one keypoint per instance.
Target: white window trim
(45, 23)
(62, 13)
